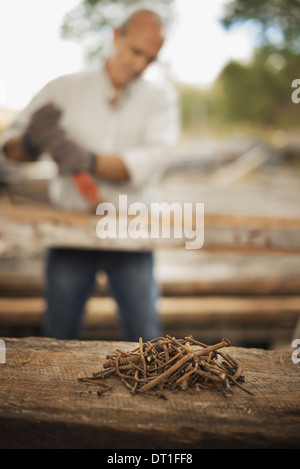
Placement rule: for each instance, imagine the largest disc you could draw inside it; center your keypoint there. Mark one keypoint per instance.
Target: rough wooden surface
(43, 405)
(269, 321)
(178, 272)
(42, 225)
(214, 288)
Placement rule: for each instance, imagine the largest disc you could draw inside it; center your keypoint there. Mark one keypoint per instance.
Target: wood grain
(43, 405)
(42, 225)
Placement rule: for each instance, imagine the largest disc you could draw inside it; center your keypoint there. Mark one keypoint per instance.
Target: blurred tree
(260, 92)
(200, 109)
(278, 20)
(90, 23)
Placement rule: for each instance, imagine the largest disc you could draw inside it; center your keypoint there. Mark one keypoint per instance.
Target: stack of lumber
(243, 283)
(223, 289)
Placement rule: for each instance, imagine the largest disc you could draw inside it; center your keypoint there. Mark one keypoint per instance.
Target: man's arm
(111, 167)
(42, 129)
(135, 164)
(14, 150)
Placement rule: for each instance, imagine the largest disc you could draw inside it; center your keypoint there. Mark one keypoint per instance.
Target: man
(114, 124)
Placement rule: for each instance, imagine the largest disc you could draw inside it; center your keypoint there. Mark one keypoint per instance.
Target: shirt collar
(108, 89)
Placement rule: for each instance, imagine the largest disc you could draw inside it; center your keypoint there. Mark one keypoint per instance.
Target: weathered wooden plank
(44, 226)
(239, 167)
(205, 309)
(28, 284)
(255, 321)
(43, 405)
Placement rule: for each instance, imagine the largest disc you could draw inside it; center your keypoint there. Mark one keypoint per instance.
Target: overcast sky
(32, 51)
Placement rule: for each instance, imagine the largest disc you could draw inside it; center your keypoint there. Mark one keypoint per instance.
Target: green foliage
(256, 94)
(200, 108)
(260, 93)
(275, 19)
(91, 21)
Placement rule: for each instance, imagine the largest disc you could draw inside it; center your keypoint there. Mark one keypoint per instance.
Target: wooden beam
(24, 285)
(211, 310)
(240, 166)
(41, 225)
(44, 406)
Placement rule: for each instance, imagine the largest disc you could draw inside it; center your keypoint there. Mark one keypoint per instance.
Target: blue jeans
(70, 280)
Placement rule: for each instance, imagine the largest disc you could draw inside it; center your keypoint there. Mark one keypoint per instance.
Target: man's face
(134, 50)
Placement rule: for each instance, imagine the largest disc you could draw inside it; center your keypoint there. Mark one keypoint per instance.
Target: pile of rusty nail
(167, 363)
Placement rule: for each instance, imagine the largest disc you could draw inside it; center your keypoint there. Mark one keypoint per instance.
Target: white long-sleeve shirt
(139, 130)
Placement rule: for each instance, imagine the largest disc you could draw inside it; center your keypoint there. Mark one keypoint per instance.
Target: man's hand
(72, 158)
(42, 131)
(14, 150)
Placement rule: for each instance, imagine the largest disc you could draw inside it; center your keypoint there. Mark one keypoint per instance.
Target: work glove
(42, 131)
(71, 157)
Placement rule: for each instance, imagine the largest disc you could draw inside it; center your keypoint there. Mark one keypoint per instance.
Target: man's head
(136, 44)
